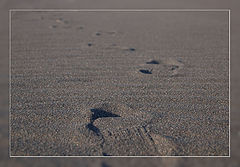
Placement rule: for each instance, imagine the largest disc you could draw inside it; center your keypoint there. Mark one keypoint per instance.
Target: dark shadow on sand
(98, 113)
(93, 128)
(146, 71)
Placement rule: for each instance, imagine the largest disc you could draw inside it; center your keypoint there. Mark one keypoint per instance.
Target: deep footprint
(115, 124)
(98, 113)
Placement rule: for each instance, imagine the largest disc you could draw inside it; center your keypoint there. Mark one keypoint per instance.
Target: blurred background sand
(233, 161)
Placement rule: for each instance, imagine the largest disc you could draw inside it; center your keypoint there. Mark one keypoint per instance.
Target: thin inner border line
(121, 10)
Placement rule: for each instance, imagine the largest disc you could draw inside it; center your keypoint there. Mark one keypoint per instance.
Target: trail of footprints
(110, 128)
(169, 67)
(62, 23)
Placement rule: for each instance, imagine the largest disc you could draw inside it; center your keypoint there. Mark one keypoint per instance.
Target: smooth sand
(119, 84)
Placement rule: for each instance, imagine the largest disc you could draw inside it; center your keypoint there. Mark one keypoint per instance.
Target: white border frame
(122, 10)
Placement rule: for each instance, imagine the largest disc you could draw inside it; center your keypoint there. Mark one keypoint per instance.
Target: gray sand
(234, 161)
(122, 83)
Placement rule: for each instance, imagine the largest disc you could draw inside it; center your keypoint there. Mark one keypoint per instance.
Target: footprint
(114, 46)
(59, 20)
(152, 62)
(62, 21)
(139, 141)
(96, 114)
(117, 129)
(106, 129)
(112, 33)
(146, 71)
(129, 49)
(164, 67)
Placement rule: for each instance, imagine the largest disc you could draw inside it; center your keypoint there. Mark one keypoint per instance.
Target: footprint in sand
(53, 26)
(165, 67)
(152, 62)
(144, 71)
(123, 49)
(117, 129)
(111, 33)
(96, 114)
(62, 21)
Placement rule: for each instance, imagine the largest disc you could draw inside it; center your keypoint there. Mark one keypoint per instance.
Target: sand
(4, 101)
(119, 83)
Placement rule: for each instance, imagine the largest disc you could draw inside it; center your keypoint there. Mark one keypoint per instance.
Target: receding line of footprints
(174, 64)
(127, 120)
(65, 23)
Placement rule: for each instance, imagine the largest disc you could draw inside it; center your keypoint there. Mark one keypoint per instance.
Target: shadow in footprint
(132, 49)
(99, 113)
(146, 71)
(93, 128)
(152, 62)
(129, 49)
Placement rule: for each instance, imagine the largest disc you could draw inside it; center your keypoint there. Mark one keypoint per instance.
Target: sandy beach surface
(79, 74)
(119, 83)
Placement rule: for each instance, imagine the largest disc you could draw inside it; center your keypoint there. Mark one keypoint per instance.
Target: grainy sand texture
(119, 83)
